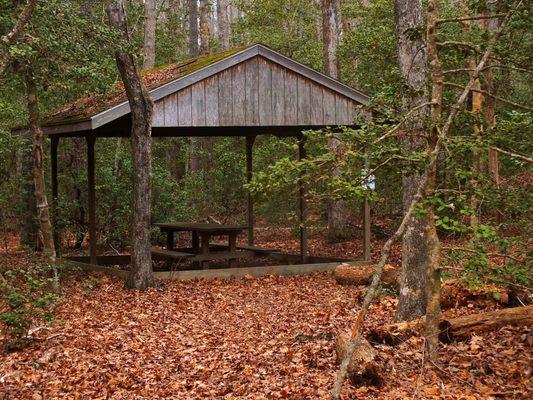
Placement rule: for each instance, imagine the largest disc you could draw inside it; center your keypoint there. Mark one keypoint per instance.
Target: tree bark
(29, 234)
(223, 24)
(205, 33)
(43, 210)
(193, 28)
(433, 244)
(141, 114)
(330, 37)
(490, 117)
(150, 23)
(15, 34)
(338, 227)
(347, 274)
(476, 108)
(76, 163)
(413, 68)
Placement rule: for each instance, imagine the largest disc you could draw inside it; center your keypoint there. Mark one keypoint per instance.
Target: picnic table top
(199, 227)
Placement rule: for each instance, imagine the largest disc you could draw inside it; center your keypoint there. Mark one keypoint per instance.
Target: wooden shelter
(246, 92)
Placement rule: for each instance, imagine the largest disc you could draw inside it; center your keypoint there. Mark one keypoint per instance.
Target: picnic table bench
(201, 252)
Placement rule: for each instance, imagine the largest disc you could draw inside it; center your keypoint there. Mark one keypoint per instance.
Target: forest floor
(262, 338)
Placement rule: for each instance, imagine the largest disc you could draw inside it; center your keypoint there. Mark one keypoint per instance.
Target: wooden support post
(366, 230)
(205, 249)
(195, 240)
(232, 241)
(170, 240)
(366, 220)
(55, 191)
(302, 204)
(91, 188)
(249, 171)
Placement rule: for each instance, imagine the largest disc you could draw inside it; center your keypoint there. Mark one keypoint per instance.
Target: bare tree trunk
(29, 234)
(141, 131)
(337, 209)
(475, 110)
(330, 37)
(43, 210)
(205, 33)
(150, 22)
(490, 117)
(193, 28)
(223, 24)
(412, 64)
(433, 271)
(15, 34)
(76, 164)
(87, 8)
(194, 154)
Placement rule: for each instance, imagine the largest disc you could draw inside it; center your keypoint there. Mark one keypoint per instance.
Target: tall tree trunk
(490, 116)
(150, 22)
(43, 210)
(141, 130)
(337, 209)
(223, 24)
(10, 38)
(330, 37)
(87, 8)
(412, 63)
(29, 234)
(77, 164)
(193, 28)
(433, 244)
(476, 108)
(205, 33)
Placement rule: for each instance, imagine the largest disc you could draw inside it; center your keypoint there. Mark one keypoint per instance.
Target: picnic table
(202, 251)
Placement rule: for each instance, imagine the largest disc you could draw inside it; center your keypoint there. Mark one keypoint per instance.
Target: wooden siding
(257, 92)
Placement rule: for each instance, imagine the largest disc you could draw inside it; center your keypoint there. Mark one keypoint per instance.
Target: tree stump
(363, 368)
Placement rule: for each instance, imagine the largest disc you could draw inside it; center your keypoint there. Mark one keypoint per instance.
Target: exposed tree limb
(466, 250)
(18, 30)
(511, 154)
(399, 124)
(385, 251)
(509, 102)
(493, 66)
(472, 18)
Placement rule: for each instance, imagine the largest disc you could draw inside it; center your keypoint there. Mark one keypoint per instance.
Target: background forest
(71, 56)
(473, 152)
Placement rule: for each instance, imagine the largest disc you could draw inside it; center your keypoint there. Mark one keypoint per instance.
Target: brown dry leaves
(265, 338)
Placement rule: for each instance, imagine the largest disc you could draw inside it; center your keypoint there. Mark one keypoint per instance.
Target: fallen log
(363, 369)
(346, 274)
(465, 326)
(455, 328)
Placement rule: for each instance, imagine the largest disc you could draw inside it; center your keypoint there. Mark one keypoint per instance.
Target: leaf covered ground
(264, 338)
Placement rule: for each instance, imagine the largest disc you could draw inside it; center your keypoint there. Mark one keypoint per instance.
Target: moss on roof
(84, 108)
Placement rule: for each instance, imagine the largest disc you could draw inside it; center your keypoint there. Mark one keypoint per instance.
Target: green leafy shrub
(28, 299)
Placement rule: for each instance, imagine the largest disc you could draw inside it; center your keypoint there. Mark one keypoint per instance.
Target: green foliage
(27, 300)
